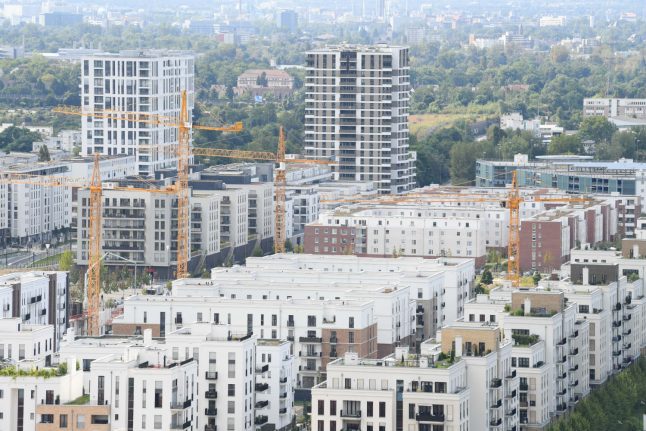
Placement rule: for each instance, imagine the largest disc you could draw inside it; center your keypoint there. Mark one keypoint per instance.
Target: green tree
(463, 163)
(257, 251)
(565, 144)
(597, 129)
(43, 154)
(536, 278)
(66, 261)
(487, 277)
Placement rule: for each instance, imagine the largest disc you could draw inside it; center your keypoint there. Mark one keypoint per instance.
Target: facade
(37, 298)
(26, 344)
(32, 213)
(288, 20)
(141, 81)
(275, 367)
(362, 393)
(28, 401)
(614, 107)
(263, 82)
(357, 100)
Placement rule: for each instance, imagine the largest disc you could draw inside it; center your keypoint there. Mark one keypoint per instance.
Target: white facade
(144, 384)
(26, 346)
(363, 394)
(37, 291)
(225, 373)
(112, 168)
(139, 81)
(32, 391)
(358, 99)
(34, 211)
(275, 366)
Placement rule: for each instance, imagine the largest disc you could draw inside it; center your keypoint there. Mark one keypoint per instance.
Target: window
(321, 407)
(158, 394)
(382, 409)
(311, 321)
(351, 322)
(332, 408)
(369, 409)
(62, 421)
(158, 422)
(231, 407)
(80, 422)
(99, 420)
(350, 337)
(231, 390)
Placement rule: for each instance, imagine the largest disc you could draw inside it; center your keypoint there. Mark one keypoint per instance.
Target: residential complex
(356, 114)
(141, 81)
(614, 107)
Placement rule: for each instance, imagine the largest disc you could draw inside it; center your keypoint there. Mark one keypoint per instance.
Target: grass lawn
(422, 124)
(50, 260)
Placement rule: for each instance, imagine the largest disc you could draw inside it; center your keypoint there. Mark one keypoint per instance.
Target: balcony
(496, 405)
(561, 393)
(562, 376)
(262, 369)
(512, 375)
(211, 395)
(282, 411)
(181, 426)
(310, 339)
(562, 342)
(628, 317)
(429, 417)
(628, 332)
(419, 310)
(539, 364)
(260, 420)
(561, 407)
(290, 323)
(495, 422)
(511, 395)
(306, 354)
(283, 395)
(211, 375)
(210, 428)
(354, 414)
(574, 352)
(562, 361)
(511, 412)
(261, 387)
(262, 404)
(180, 405)
(210, 412)
(283, 380)
(575, 334)
(524, 387)
(495, 383)
(574, 383)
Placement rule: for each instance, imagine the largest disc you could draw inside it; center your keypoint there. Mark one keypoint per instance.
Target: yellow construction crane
(95, 228)
(184, 126)
(512, 202)
(280, 179)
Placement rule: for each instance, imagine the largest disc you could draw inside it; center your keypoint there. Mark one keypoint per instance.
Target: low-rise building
(262, 82)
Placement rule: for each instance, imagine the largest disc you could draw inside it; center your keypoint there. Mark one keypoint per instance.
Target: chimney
(527, 306)
(458, 346)
(148, 337)
(585, 276)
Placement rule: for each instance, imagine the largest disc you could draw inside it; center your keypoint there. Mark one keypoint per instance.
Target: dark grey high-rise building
(357, 114)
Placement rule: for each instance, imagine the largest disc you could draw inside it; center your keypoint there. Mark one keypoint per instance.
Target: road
(23, 258)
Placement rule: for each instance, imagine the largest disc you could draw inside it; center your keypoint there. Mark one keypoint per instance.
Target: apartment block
(400, 391)
(28, 402)
(136, 81)
(614, 107)
(439, 287)
(33, 213)
(26, 345)
(276, 368)
(225, 374)
(37, 298)
(357, 100)
(493, 383)
(311, 325)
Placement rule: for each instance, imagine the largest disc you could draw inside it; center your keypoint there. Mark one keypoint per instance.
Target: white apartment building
(275, 367)
(27, 346)
(37, 298)
(32, 212)
(135, 81)
(614, 107)
(145, 389)
(552, 21)
(439, 287)
(362, 393)
(548, 316)
(320, 329)
(225, 373)
(111, 167)
(357, 100)
(23, 397)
